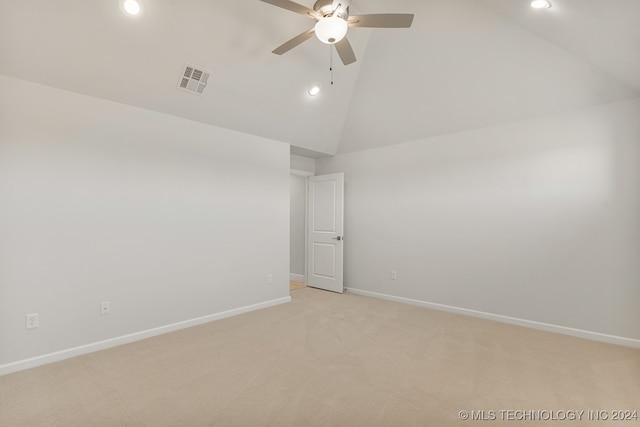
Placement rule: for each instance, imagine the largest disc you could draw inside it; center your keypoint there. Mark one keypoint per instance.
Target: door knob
(338, 238)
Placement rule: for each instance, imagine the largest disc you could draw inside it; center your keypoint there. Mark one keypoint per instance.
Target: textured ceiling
(464, 64)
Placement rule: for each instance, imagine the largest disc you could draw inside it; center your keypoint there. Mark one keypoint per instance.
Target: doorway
(298, 182)
(316, 231)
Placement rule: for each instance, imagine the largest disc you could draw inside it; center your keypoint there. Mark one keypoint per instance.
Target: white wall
(297, 229)
(303, 164)
(168, 219)
(536, 220)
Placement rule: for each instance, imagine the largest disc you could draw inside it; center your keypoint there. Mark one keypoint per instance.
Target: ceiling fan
(332, 21)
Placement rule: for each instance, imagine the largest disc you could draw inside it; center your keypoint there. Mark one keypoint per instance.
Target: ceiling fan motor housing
(325, 8)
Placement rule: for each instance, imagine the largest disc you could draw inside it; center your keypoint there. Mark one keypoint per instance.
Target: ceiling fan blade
(382, 20)
(287, 46)
(345, 51)
(294, 7)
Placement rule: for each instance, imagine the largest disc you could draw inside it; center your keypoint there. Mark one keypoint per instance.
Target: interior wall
(165, 218)
(303, 164)
(536, 220)
(297, 230)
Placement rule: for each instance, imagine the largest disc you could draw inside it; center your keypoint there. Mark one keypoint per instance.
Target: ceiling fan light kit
(331, 29)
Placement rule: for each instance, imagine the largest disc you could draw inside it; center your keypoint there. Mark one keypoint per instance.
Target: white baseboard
(594, 336)
(136, 336)
(296, 277)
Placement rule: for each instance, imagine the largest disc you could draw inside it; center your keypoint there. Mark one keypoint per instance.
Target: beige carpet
(330, 360)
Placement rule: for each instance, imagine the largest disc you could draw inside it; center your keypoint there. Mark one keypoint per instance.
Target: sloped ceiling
(464, 64)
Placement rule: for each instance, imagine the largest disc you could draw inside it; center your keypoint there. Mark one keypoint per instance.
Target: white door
(325, 228)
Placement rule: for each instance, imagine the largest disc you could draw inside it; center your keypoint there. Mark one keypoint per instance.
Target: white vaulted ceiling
(464, 64)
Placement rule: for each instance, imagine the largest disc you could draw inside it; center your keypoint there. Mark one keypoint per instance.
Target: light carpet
(331, 360)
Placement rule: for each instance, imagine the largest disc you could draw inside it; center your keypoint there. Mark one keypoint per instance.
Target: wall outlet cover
(105, 308)
(32, 321)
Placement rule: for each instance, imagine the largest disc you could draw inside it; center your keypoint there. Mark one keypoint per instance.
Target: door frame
(306, 175)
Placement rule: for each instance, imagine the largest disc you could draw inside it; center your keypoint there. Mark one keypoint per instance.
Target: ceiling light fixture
(540, 4)
(131, 7)
(314, 89)
(331, 29)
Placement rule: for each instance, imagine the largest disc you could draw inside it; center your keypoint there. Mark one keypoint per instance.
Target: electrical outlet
(394, 275)
(269, 278)
(105, 308)
(32, 321)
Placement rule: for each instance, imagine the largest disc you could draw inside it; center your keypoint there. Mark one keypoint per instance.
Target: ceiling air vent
(193, 79)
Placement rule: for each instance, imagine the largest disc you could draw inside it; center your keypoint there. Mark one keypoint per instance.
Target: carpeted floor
(332, 360)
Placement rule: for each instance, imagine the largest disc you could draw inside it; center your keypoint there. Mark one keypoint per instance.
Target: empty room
(319, 213)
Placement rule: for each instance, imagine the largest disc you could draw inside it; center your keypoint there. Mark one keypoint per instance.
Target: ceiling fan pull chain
(331, 63)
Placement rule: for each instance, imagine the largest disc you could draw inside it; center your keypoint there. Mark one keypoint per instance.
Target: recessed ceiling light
(540, 4)
(314, 89)
(131, 7)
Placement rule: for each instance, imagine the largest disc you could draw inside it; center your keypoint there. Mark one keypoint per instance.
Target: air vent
(193, 79)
